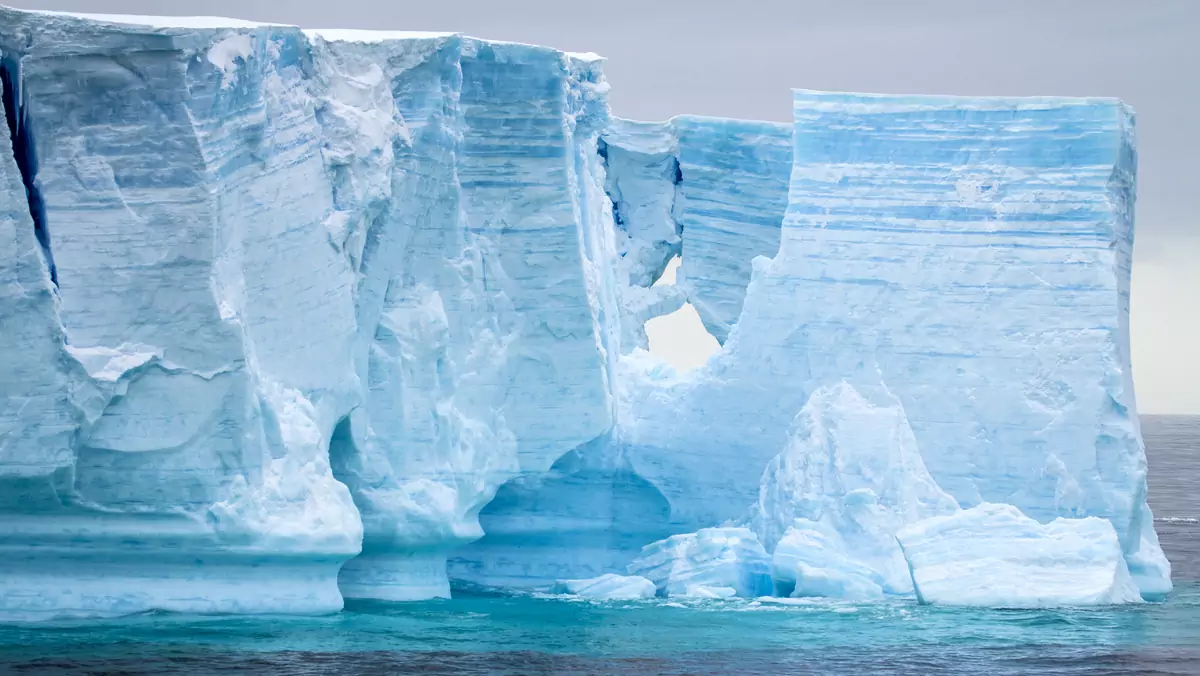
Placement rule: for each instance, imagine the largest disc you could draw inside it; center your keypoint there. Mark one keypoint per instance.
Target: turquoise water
(479, 633)
(496, 634)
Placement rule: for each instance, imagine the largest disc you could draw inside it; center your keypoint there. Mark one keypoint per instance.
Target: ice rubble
(993, 555)
(831, 502)
(607, 587)
(276, 300)
(706, 563)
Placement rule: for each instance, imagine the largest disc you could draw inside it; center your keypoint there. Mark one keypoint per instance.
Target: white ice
(710, 558)
(608, 587)
(993, 555)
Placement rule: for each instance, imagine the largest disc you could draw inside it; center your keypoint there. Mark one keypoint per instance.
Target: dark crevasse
(25, 155)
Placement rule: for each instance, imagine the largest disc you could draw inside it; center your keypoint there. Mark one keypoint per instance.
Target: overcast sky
(739, 59)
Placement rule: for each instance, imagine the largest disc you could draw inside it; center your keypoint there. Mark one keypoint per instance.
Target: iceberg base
(46, 589)
(395, 577)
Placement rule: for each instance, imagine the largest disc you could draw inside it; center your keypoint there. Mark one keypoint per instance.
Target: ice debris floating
(288, 316)
(607, 587)
(993, 555)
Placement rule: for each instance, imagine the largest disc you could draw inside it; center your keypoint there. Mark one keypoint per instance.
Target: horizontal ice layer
(711, 189)
(705, 562)
(971, 254)
(993, 555)
(733, 194)
(609, 587)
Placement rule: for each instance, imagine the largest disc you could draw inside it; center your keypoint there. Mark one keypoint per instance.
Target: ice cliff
(288, 316)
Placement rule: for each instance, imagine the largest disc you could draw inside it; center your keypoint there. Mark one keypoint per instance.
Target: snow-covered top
(352, 35)
(192, 22)
(891, 103)
(372, 36)
(585, 56)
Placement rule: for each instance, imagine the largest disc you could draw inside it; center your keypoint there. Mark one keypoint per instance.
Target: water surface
(489, 634)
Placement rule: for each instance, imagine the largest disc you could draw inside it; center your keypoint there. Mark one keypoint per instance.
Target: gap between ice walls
(286, 311)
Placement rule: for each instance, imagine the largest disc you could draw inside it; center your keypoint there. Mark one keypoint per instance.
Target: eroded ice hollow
(282, 312)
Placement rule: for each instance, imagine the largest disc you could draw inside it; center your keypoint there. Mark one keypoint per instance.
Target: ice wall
(190, 380)
(464, 172)
(973, 254)
(274, 296)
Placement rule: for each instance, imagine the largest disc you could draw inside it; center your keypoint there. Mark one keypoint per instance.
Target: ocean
(491, 634)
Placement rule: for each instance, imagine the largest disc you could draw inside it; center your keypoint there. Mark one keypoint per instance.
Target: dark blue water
(478, 634)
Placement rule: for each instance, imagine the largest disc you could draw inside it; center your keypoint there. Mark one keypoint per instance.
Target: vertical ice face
(36, 418)
(532, 204)
(201, 351)
(418, 458)
(290, 263)
(974, 255)
(535, 187)
(470, 197)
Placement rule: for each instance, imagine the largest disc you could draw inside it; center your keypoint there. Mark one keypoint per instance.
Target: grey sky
(739, 59)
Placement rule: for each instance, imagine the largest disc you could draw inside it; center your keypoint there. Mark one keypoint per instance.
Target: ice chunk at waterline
(610, 587)
(848, 478)
(993, 555)
(711, 558)
(811, 560)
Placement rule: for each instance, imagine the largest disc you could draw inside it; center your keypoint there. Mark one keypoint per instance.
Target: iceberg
(289, 316)
(706, 563)
(993, 555)
(609, 587)
(971, 254)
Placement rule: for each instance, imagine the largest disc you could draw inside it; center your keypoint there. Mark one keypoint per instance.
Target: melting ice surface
(290, 317)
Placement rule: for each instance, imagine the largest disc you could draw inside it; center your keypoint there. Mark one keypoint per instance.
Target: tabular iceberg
(288, 315)
(972, 255)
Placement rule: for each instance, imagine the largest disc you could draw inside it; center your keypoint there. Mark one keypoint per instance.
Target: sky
(740, 59)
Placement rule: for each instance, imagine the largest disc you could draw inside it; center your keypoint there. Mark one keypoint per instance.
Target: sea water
(495, 634)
